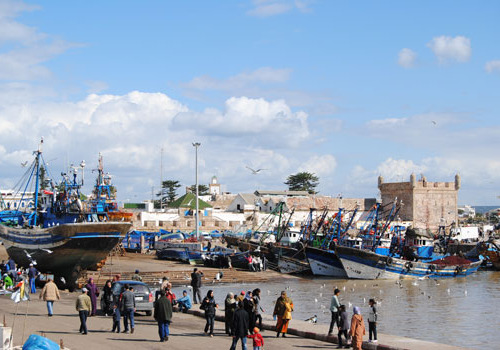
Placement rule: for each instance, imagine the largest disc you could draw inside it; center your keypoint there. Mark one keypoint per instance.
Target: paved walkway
(186, 330)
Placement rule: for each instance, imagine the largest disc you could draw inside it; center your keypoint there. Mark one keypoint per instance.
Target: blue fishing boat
(57, 233)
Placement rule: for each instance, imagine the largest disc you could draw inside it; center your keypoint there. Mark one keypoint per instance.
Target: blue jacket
(186, 301)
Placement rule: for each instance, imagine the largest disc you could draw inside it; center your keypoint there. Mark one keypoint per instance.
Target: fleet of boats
(64, 235)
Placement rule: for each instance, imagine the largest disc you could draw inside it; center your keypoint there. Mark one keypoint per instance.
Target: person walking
(184, 302)
(343, 327)
(257, 308)
(209, 305)
(229, 309)
(196, 284)
(107, 298)
(334, 309)
(357, 329)
(93, 294)
(283, 311)
(163, 315)
(50, 293)
(239, 329)
(258, 340)
(248, 305)
(128, 304)
(372, 322)
(32, 274)
(83, 305)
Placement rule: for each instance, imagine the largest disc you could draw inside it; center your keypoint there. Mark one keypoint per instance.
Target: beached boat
(366, 264)
(57, 234)
(324, 262)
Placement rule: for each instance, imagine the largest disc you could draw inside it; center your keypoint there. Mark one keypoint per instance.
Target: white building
(12, 200)
(467, 211)
(245, 202)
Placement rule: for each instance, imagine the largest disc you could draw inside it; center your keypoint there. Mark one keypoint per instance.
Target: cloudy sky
(348, 90)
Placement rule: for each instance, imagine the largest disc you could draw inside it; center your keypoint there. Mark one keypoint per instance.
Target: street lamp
(196, 145)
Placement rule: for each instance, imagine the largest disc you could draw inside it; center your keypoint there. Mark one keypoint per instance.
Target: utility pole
(161, 178)
(196, 145)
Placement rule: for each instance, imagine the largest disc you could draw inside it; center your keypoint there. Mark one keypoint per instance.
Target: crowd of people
(243, 313)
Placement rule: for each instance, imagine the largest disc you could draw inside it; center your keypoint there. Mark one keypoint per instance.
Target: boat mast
(38, 153)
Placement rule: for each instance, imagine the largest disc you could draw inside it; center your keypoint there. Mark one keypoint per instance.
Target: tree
(302, 181)
(202, 190)
(168, 191)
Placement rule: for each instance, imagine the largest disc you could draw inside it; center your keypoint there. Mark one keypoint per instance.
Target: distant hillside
(481, 209)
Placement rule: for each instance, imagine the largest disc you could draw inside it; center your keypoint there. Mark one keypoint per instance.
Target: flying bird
(255, 172)
(434, 122)
(23, 164)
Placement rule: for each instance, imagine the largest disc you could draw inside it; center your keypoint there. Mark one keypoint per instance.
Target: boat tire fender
(389, 261)
(432, 268)
(408, 266)
(458, 270)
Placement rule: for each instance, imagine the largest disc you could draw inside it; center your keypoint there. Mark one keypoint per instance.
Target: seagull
(434, 122)
(255, 172)
(313, 319)
(23, 164)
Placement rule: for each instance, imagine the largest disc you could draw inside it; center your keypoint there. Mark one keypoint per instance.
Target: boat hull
(325, 263)
(293, 266)
(65, 250)
(362, 264)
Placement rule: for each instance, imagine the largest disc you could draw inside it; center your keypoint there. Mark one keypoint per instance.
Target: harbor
(324, 171)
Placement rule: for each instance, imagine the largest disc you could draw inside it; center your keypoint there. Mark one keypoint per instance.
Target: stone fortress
(427, 205)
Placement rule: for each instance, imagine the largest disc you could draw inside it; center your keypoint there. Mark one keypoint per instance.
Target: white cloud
(130, 129)
(321, 165)
(267, 8)
(492, 66)
(447, 48)
(407, 58)
(239, 81)
(257, 119)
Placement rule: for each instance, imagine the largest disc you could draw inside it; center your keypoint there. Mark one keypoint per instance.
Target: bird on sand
(254, 172)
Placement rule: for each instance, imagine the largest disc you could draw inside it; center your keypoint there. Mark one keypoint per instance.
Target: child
(116, 318)
(372, 321)
(258, 341)
(343, 327)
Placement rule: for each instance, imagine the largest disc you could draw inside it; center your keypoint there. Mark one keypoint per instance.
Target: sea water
(455, 311)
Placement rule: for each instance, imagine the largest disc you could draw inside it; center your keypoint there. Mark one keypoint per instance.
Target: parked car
(144, 296)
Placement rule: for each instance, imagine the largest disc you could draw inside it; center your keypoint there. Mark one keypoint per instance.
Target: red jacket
(257, 339)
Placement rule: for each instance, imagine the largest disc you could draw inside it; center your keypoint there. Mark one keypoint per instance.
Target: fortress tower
(427, 204)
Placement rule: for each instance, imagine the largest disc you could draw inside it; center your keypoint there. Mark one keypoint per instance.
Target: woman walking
(229, 309)
(93, 293)
(209, 305)
(107, 299)
(257, 309)
(283, 311)
(357, 329)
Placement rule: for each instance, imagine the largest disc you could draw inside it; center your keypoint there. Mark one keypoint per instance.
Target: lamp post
(196, 145)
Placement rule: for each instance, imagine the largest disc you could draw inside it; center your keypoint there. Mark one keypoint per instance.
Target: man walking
(196, 284)
(50, 293)
(239, 329)
(334, 309)
(128, 302)
(163, 315)
(32, 274)
(83, 307)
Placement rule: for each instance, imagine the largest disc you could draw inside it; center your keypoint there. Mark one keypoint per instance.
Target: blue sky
(348, 90)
